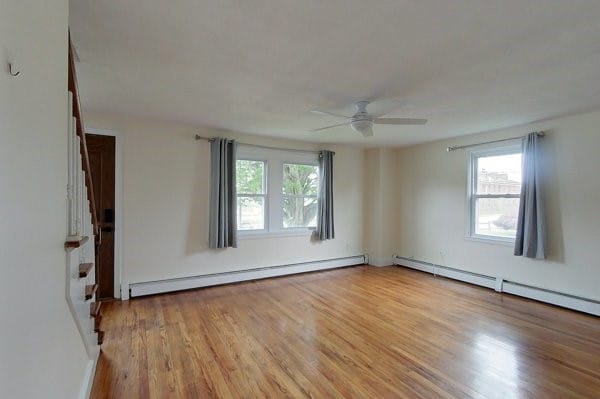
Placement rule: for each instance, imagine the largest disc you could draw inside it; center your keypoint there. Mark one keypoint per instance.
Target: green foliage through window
(250, 177)
(300, 187)
(250, 185)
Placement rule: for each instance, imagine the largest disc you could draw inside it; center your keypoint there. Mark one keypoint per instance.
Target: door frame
(118, 207)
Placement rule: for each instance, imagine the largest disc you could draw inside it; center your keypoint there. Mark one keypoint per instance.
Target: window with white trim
(251, 194)
(494, 192)
(300, 186)
(276, 191)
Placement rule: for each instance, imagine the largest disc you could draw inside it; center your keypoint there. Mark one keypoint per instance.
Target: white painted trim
(156, 287)
(556, 298)
(485, 150)
(124, 291)
(492, 241)
(88, 378)
(118, 204)
(259, 234)
(274, 160)
(413, 264)
(78, 306)
(500, 284)
(455, 274)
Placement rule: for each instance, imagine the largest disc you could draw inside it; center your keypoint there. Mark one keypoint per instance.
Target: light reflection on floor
(498, 366)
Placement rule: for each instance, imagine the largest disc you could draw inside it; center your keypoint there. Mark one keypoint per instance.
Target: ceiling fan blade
(399, 121)
(315, 111)
(329, 127)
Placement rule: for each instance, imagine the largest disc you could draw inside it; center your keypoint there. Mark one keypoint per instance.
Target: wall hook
(10, 70)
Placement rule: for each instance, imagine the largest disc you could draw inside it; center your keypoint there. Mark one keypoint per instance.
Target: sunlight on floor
(498, 363)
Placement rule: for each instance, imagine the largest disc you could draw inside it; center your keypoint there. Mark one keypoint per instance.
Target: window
(276, 191)
(251, 194)
(300, 186)
(494, 192)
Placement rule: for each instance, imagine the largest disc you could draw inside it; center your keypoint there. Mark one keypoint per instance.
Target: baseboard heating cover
(184, 283)
(438, 270)
(569, 301)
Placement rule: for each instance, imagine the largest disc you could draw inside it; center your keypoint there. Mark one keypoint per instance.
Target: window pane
(250, 177)
(496, 216)
(251, 213)
(300, 186)
(300, 179)
(499, 174)
(299, 211)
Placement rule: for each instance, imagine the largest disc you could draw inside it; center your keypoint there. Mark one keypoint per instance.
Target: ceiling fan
(362, 121)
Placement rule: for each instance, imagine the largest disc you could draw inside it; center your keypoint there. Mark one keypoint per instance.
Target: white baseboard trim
(88, 378)
(455, 274)
(556, 298)
(500, 284)
(124, 291)
(185, 283)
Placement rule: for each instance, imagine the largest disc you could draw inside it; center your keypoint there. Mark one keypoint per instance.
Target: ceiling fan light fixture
(363, 126)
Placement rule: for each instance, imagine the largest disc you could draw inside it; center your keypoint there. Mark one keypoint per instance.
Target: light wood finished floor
(359, 332)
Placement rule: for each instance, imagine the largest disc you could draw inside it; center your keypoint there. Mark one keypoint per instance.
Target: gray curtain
(222, 231)
(531, 228)
(325, 228)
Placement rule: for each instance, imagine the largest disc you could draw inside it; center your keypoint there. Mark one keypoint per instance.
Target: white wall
(41, 352)
(432, 204)
(165, 204)
(379, 203)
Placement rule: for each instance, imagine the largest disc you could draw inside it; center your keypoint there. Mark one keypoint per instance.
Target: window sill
(490, 240)
(274, 234)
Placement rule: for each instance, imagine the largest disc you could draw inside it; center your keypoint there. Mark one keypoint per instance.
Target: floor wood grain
(359, 332)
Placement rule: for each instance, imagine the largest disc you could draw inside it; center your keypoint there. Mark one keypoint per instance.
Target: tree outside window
(300, 187)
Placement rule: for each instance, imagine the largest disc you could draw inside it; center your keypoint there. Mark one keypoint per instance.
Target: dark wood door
(101, 150)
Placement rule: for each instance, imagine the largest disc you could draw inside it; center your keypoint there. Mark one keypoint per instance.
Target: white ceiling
(259, 66)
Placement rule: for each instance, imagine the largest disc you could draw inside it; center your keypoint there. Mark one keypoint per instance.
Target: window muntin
(272, 194)
(299, 195)
(251, 194)
(494, 193)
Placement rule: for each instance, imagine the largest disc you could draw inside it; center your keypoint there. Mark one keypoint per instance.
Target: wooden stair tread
(90, 291)
(95, 309)
(76, 244)
(100, 337)
(84, 269)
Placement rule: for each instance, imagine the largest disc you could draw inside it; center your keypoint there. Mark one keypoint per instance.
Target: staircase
(83, 237)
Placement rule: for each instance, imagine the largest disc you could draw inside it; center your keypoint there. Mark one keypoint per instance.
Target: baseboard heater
(185, 283)
(569, 301)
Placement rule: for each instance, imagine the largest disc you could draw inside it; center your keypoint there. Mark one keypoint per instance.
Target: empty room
(299, 199)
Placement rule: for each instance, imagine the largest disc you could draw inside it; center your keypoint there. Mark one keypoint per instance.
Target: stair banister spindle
(70, 223)
(82, 224)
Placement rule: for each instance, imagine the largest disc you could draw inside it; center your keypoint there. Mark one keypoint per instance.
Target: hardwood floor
(360, 332)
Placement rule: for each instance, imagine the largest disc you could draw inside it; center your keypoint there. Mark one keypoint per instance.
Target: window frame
(509, 148)
(316, 197)
(265, 196)
(274, 160)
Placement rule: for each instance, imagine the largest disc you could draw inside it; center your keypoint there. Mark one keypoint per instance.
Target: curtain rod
(211, 139)
(460, 147)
